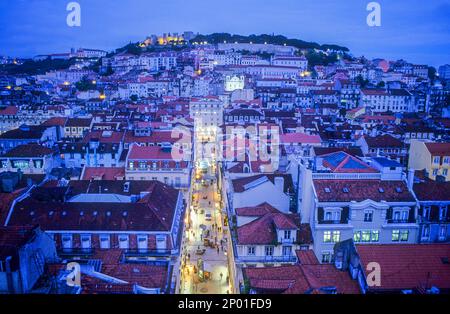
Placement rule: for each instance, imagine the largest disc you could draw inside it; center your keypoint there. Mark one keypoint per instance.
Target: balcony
(342, 221)
(286, 241)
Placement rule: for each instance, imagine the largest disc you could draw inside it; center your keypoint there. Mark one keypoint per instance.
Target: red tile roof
(431, 190)
(103, 173)
(149, 153)
(383, 141)
(438, 149)
(264, 229)
(9, 111)
(300, 138)
(256, 211)
(307, 257)
(299, 279)
(409, 266)
(154, 212)
(58, 121)
(28, 150)
(239, 184)
(360, 190)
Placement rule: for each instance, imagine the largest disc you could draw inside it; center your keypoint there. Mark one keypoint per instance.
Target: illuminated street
(204, 264)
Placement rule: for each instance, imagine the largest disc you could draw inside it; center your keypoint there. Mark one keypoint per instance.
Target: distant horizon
(411, 30)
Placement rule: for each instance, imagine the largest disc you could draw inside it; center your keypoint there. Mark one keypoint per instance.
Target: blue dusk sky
(416, 30)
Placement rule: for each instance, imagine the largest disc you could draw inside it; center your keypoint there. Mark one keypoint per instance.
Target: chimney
(279, 183)
(410, 179)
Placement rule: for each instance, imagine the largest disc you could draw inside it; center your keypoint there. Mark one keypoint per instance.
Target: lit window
(395, 235)
(327, 236)
(365, 236)
(336, 236)
(375, 235)
(357, 236)
(404, 235)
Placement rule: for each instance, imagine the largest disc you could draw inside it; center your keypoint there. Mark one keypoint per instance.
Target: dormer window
(381, 190)
(332, 214)
(345, 190)
(327, 190)
(398, 189)
(287, 234)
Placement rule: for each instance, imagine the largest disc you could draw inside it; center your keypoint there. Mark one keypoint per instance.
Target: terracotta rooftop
(409, 266)
(438, 149)
(28, 150)
(256, 211)
(300, 279)
(360, 190)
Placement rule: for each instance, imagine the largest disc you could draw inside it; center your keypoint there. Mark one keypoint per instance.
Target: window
(425, 232)
(435, 172)
(269, 250)
(251, 250)
(327, 236)
(426, 212)
(336, 236)
(142, 242)
(445, 172)
(368, 216)
(287, 250)
(404, 215)
(446, 160)
(442, 232)
(375, 235)
(104, 241)
(357, 236)
(404, 235)
(123, 242)
(436, 159)
(326, 257)
(287, 234)
(365, 236)
(442, 212)
(66, 241)
(85, 241)
(333, 215)
(395, 235)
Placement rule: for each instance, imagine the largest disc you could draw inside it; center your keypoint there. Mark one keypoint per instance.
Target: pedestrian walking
(217, 250)
(221, 276)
